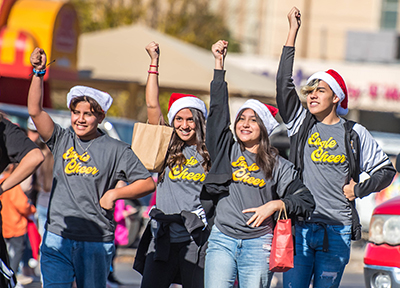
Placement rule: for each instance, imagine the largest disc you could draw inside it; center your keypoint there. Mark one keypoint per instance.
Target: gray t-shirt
(250, 189)
(327, 172)
(180, 190)
(83, 172)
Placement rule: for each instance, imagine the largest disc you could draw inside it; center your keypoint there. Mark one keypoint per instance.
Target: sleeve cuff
(356, 191)
(219, 75)
(288, 47)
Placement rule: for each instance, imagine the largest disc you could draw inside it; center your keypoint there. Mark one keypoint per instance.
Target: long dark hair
(175, 155)
(266, 154)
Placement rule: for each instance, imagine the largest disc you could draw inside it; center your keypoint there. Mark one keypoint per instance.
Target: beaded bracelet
(39, 73)
(155, 66)
(153, 72)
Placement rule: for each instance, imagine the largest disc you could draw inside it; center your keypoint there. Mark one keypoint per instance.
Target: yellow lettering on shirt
(321, 154)
(182, 173)
(75, 166)
(243, 174)
(191, 162)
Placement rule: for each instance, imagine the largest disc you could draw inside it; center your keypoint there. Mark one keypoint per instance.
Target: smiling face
(322, 102)
(84, 121)
(185, 126)
(247, 129)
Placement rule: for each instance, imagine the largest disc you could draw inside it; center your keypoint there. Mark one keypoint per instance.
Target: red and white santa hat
(338, 86)
(179, 101)
(266, 112)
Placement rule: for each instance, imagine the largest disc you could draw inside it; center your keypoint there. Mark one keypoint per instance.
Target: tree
(188, 20)
(103, 14)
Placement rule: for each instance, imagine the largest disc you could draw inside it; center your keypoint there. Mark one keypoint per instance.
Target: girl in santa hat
(330, 153)
(178, 226)
(248, 182)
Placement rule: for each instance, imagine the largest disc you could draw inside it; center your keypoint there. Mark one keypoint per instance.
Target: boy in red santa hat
(330, 153)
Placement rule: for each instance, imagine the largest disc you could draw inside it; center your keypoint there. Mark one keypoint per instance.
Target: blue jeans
(41, 213)
(64, 260)
(228, 258)
(326, 267)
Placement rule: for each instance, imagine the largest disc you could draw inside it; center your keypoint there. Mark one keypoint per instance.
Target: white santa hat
(338, 86)
(179, 101)
(264, 111)
(103, 98)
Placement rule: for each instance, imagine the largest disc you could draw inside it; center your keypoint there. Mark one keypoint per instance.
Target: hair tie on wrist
(39, 73)
(155, 66)
(153, 72)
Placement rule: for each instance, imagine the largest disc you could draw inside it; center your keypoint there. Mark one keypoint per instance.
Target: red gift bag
(34, 238)
(281, 259)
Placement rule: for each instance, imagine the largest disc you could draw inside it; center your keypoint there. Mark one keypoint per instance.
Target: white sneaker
(111, 285)
(24, 280)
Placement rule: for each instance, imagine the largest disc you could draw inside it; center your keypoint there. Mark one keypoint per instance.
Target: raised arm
(43, 122)
(289, 104)
(219, 118)
(219, 138)
(154, 113)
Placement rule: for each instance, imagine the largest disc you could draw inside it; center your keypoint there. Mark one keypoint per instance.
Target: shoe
(111, 280)
(24, 280)
(111, 285)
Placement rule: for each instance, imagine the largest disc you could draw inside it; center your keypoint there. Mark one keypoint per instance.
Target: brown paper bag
(150, 143)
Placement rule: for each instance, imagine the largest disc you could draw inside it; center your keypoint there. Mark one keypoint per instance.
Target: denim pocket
(340, 230)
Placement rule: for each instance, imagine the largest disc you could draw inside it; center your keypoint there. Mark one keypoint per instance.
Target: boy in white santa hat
(78, 242)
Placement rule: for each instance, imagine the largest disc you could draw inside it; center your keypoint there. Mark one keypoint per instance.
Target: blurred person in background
(121, 213)
(16, 209)
(16, 147)
(37, 187)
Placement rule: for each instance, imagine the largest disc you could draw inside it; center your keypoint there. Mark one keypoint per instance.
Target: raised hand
(294, 18)
(219, 50)
(38, 59)
(154, 113)
(153, 50)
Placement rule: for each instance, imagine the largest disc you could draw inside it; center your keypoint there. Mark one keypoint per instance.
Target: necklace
(87, 147)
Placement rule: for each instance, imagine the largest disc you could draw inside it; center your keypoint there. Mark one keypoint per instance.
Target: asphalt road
(353, 276)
